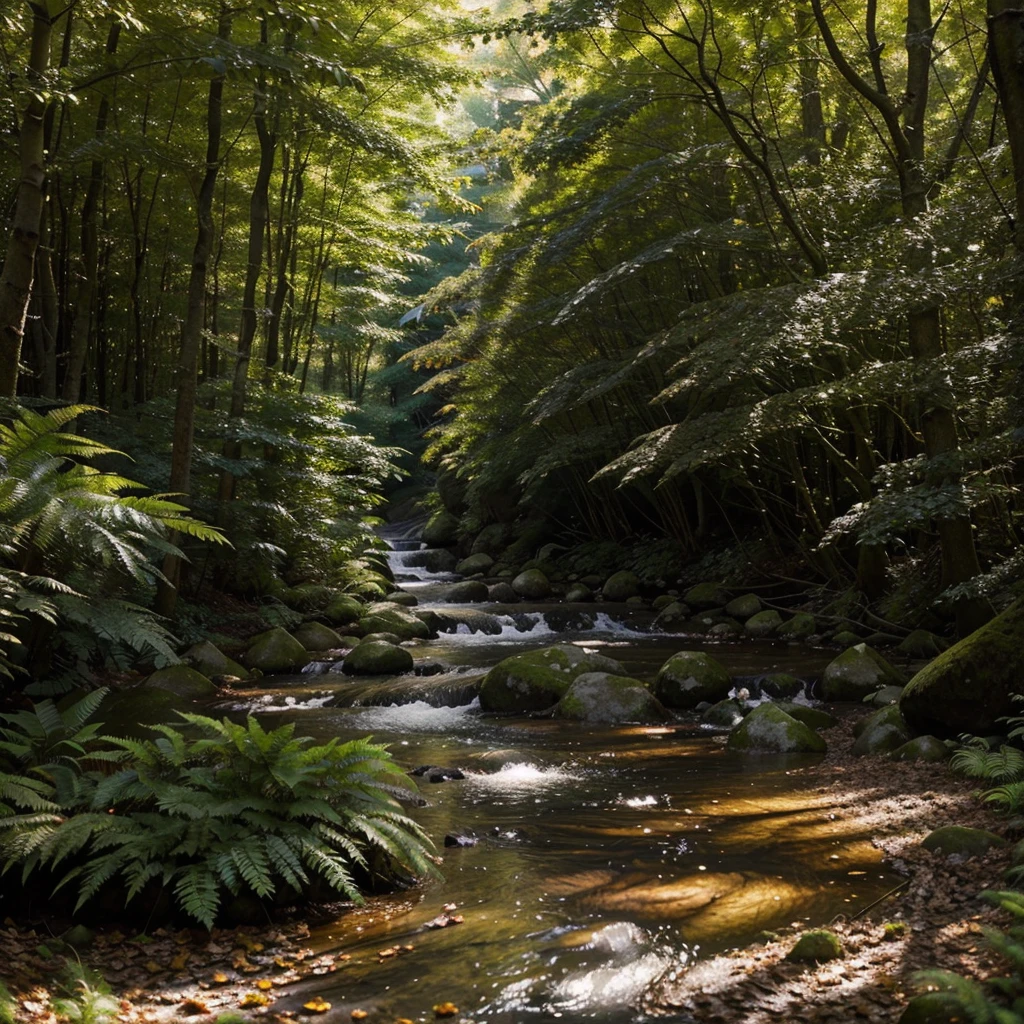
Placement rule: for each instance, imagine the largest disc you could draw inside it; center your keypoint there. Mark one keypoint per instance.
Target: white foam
(522, 777)
(610, 985)
(416, 717)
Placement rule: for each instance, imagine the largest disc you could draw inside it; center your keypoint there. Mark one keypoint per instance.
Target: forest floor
(191, 974)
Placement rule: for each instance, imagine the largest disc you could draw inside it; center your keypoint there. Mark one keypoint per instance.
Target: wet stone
(434, 773)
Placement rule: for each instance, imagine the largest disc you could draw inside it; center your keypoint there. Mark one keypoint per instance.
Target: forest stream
(600, 858)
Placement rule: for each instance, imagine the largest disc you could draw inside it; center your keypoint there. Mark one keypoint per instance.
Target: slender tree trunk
(16, 278)
(1006, 54)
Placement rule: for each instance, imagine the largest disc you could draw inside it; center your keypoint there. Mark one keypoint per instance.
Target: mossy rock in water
(579, 593)
(856, 673)
(726, 714)
(387, 638)
(473, 564)
(536, 680)
(182, 681)
(726, 627)
(561, 620)
(433, 560)
(769, 729)
(781, 685)
(462, 620)
(661, 602)
(800, 626)
(606, 698)
(763, 623)
(845, 638)
(743, 607)
(276, 650)
(621, 586)
(210, 661)
(343, 610)
(922, 748)
(383, 617)
(315, 636)
(532, 585)
(706, 595)
(960, 841)
(689, 677)
(441, 530)
(402, 598)
(466, 592)
(813, 717)
(922, 644)
(969, 687)
(502, 593)
(818, 945)
(672, 616)
(881, 733)
(934, 1008)
(376, 658)
(885, 696)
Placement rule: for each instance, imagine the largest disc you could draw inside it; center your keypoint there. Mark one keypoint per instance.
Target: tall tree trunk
(186, 372)
(19, 262)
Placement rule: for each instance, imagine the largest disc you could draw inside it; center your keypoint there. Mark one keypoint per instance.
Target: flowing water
(600, 858)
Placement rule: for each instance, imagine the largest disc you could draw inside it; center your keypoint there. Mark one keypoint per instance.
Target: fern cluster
(227, 809)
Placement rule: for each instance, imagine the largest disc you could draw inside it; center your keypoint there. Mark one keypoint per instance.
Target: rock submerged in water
(688, 678)
(609, 699)
(384, 617)
(781, 684)
(856, 673)
(208, 659)
(275, 651)
(536, 680)
(763, 623)
(473, 564)
(377, 658)
(726, 714)
(182, 681)
(314, 636)
(768, 729)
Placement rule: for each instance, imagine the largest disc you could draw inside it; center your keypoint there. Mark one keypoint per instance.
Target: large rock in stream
(769, 729)
(857, 673)
(536, 680)
(377, 658)
(385, 617)
(441, 530)
(209, 660)
(604, 698)
(969, 687)
(276, 650)
(689, 678)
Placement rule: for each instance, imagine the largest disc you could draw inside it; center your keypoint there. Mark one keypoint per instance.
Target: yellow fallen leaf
(153, 967)
(250, 945)
(344, 956)
(283, 962)
(317, 1005)
(445, 1010)
(264, 984)
(254, 999)
(220, 978)
(178, 963)
(359, 1015)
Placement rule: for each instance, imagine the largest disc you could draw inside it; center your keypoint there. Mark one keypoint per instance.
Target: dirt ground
(193, 975)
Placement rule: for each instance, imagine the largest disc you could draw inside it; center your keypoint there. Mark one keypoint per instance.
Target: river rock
(433, 560)
(845, 638)
(727, 627)
(435, 773)
(815, 718)
(797, 628)
(769, 729)
(819, 945)
(384, 617)
(882, 732)
(606, 698)
(473, 564)
(315, 636)
(672, 616)
(562, 620)
(781, 685)
(502, 593)
(960, 841)
(726, 714)
(377, 658)
(856, 673)
(969, 687)
(621, 586)
(661, 602)
(934, 1008)
(492, 539)
(922, 748)
(441, 530)
(402, 598)
(384, 638)
(276, 650)
(922, 644)
(706, 595)
(763, 623)
(578, 593)
(462, 620)
(535, 680)
(689, 677)
(532, 585)
(343, 610)
(182, 681)
(210, 661)
(743, 607)
(466, 592)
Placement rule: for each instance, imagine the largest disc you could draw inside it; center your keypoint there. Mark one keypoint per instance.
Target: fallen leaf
(254, 999)
(445, 1010)
(317, 1005)
(220, 978)
(264, 984)
(178, 963)
(153, 967)
(191, 1007)
(359, 1015)
(248, 944)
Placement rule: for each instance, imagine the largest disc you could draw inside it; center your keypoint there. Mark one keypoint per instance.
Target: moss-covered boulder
(857, 672)
(532, 585)
(536, 680)
(182, 681)
(579, 593)
(743, 607)
(960, 841)
(781, 685)
(769, 729)
(969, 687)
(763, 623)
(922, 748)
(433, 560)
(727, 627)
(343, 610)
(466, 592)
(673, 616)
(813, 717)
(934, 1008)
(462, 620)
(308, 597)
(502, 593)
(473, 564)
(621, 586)
(922, 644)
(818, 945)
(605, 698)
(387, 638)
(661, 602)
(315, 636)
(845, 638)
(276, 650)
(210, 661)
(706, 595)
(689, 677)
(384, 617)
(881, 732)
(799, 627)
(402, 597)
(885, 696)
(726, 714)
(441, 530)
(376, 658)
(492, 539)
